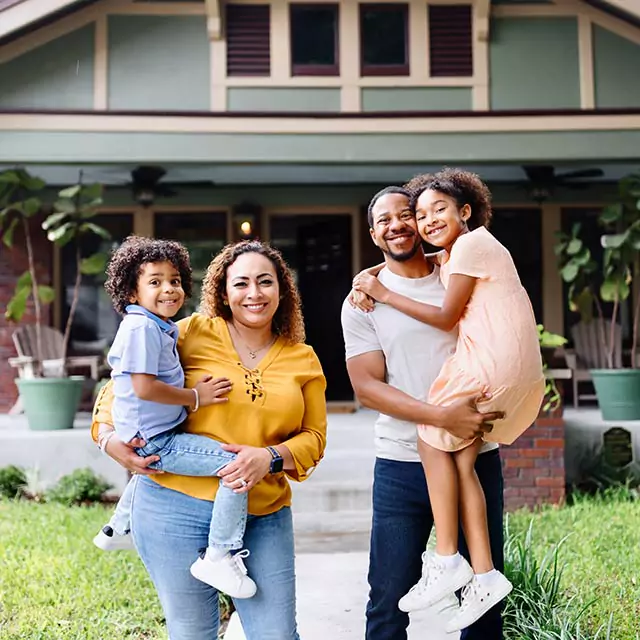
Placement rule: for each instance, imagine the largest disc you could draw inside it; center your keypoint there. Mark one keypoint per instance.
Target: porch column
(552, 301)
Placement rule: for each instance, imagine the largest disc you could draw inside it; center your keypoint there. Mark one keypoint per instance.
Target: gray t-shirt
(414, 353)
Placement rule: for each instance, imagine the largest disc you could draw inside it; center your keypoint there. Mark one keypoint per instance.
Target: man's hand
(463, 420)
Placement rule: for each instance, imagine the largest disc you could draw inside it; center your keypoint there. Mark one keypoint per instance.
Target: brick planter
(533, 465)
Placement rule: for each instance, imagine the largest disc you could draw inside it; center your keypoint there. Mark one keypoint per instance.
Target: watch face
(276, 465)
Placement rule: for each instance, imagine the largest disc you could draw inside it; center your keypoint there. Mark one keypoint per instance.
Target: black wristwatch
(276, 460)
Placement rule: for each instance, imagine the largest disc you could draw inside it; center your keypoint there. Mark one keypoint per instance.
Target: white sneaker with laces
(477, 599)
(437, 581)
(226, 573)
(108, 540)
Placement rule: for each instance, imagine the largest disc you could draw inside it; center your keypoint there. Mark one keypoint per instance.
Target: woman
(250, 330)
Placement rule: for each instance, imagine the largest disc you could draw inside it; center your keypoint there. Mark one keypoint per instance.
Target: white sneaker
(226, 573)
(437, 581)
(477, 599)
(108, 540)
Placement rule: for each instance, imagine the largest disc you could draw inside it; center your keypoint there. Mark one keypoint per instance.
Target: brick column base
(533, 465)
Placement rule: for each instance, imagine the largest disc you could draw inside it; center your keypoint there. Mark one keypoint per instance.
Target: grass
(54, 585)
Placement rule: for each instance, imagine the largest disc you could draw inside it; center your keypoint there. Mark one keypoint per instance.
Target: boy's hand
(359, 300)
(211, 390)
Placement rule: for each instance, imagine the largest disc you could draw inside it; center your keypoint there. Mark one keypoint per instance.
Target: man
(392, 360)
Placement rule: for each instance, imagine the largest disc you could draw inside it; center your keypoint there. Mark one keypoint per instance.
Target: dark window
(248, 40)
(384, 40)
(95, 322)
(314, 40)
(450, 40)
(204, 235)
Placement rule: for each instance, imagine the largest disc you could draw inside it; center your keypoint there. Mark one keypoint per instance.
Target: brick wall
(13, 263)
(533, 465)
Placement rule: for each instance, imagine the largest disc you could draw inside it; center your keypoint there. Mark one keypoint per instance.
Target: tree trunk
(612, 332)
(72, 308)
(36, 298)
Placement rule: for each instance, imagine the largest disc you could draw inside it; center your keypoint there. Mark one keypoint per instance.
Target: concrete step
(332, 496)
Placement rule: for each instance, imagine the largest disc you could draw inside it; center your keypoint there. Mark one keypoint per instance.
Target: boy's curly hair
(126, 263)
(464, 187)
(287, 321)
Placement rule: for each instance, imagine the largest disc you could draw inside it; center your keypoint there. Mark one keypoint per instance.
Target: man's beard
(405, 255)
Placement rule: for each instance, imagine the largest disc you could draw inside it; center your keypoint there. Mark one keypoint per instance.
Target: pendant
(252, 355)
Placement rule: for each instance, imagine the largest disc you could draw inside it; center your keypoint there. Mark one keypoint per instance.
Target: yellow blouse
(281, 401)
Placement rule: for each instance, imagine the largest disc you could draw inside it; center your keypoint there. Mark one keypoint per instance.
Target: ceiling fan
(543, 179)
(146, 185)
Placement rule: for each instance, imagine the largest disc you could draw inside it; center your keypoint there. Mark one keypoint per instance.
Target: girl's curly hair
(126, 263)
(464, 187)
(287, 321)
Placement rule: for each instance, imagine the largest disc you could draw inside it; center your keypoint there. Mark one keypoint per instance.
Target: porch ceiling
(299, 174)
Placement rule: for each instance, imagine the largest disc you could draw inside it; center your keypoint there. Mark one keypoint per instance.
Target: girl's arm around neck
(446, 317)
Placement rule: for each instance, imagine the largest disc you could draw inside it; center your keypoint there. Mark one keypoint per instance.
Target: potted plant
(51, 400)
(617, 389)
(549, 342)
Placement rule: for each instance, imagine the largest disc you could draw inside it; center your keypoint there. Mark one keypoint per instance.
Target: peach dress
(497, 349)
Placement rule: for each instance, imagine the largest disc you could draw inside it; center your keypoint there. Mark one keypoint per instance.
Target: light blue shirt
(144, 344)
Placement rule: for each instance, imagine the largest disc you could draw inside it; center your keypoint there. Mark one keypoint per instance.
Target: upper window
(248, 39)
(314, 40)
(384, 39)
(450, 40)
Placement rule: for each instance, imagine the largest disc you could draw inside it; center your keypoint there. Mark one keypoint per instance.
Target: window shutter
(450, 40)
(248, 40)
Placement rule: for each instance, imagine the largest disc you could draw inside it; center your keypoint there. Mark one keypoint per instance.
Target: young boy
(148, 281)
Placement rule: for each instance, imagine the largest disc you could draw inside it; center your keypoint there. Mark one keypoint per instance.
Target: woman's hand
(359, 300)
(251, 465)
(371, 286)
(123, 453)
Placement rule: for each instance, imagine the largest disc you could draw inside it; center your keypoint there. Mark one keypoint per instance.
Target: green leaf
(17, 305)
(570, 272)
(31, 206)
(7, 236)
(612, 213)
(92, 191)
(614, 288)
(613, 240)
(24, 281)
(10, 177)
(62, 234)
(575, 229)
(574, 246)
(46, 294)
(54, 220)
(90, 227)
(583, 257)
(70, 192)
(65, 205)
(559, 248)
(93, 264)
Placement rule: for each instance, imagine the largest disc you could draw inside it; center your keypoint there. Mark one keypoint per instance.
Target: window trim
(385, 69)
(316, 69)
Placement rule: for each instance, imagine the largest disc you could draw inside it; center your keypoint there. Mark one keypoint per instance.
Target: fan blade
(581, 173)
(147, 175)
(539, 172)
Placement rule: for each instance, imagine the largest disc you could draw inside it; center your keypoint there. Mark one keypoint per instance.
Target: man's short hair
(383, 192)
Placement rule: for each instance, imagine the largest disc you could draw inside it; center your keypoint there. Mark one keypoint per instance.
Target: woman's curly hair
(127, 260)
(287, 321)
(464, 187)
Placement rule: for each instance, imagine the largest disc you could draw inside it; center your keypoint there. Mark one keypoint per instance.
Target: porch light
(246, 220)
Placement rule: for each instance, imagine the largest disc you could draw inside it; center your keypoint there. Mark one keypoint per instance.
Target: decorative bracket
(214, 19)
(482, 10)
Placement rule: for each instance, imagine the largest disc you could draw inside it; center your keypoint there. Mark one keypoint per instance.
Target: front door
(318, 250)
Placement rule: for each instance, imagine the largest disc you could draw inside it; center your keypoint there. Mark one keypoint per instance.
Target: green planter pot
(50, 403)
(618, 392)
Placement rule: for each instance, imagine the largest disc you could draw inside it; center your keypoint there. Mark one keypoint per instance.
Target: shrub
(12, 481)
(78, 487)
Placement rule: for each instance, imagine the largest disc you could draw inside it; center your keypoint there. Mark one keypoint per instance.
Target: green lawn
(55, 585)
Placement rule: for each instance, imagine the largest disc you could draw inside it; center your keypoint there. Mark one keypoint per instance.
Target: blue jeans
(402, 522)
(170, 528)
(187, 454)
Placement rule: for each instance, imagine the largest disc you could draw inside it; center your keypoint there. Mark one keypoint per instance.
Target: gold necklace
(253, 353)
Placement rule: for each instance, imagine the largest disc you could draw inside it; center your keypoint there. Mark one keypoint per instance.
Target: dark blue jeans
(402, 522)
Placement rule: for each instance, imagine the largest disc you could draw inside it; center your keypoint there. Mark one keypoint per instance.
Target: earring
(225, 303)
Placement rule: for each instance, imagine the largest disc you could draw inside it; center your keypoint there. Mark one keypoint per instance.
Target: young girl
(148, 281)
(497, 351)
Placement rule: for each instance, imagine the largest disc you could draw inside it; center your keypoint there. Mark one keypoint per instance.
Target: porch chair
(589, 353)
(25, 341)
